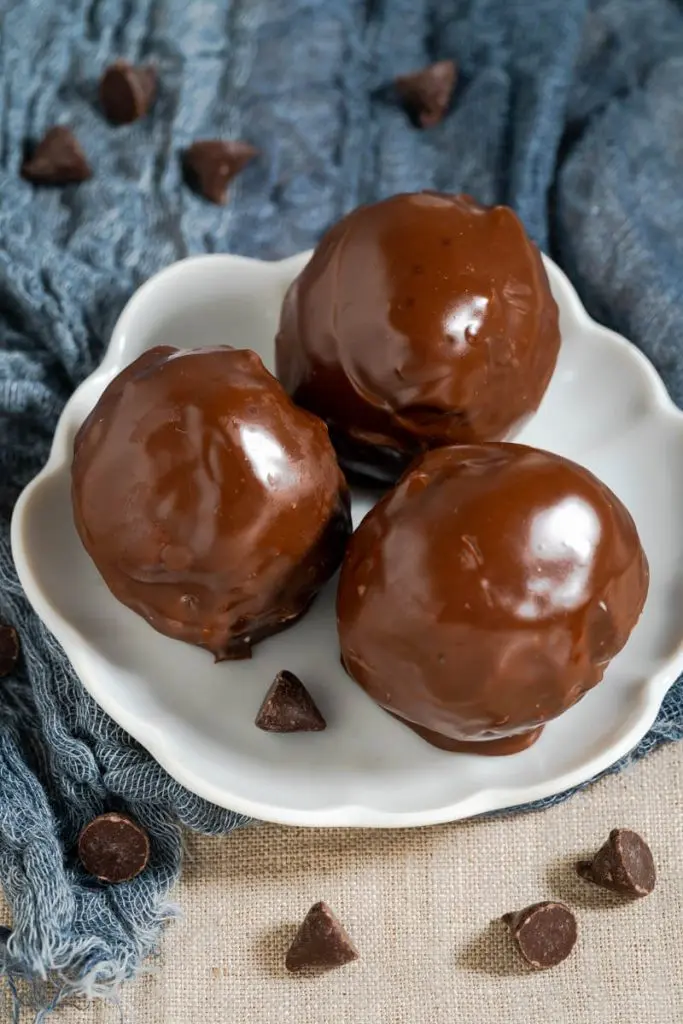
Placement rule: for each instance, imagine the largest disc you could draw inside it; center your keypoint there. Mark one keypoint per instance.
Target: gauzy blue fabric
(570, 111)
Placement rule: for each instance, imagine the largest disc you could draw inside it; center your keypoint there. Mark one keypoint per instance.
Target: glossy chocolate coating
(210, 504)
(423, 320)
(488, 592)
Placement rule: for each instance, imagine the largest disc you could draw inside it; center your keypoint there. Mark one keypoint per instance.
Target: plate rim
(484, 801)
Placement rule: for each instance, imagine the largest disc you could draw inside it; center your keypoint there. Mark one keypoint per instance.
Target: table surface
(423, 907)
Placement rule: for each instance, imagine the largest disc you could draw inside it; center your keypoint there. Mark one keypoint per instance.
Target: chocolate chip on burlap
(289, 707)
(9, 649)
(624, 864)
(544, 933)
(127, 91)
(321, 943)
(426, 94)
(113, 848)
(210, 165)
(57, 160)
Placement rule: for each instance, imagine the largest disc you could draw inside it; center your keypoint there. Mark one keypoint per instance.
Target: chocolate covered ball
(210, 504)
(488, 592)
(420, 321)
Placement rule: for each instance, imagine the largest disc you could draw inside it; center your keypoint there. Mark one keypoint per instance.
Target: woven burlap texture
(422, 906)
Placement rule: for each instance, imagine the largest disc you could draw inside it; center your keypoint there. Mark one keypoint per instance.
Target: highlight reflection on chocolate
(488, 592)
(420, 321)
(210, 504)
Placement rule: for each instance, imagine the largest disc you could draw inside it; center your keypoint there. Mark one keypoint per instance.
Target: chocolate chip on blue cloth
(127, 91)
(321, 943)
(289, 707)
(544, 933)
(9, 649)
(623, 864)
(211, 164)
(426, 94)
(113, 848)
(57, 160)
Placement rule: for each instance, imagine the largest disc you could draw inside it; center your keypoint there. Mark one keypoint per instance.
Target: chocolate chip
(57, 160)
(544, 933)
(427, 93)
(126, 91)
(623, 864)
(113, 848)
(9, 649)
(321, 942)
(210, 166)
(289, 707)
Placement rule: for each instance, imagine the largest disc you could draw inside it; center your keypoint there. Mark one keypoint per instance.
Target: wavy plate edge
(650, 697)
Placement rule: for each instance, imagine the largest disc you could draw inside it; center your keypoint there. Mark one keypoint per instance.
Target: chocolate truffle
(209, 502)
(421, 321)
(488, 592)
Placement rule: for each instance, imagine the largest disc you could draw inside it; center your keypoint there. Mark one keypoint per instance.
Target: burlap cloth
(422, 907)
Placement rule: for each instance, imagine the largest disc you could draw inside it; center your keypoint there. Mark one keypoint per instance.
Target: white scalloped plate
(606, 408)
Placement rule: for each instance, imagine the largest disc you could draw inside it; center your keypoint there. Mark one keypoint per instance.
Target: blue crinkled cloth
(570, 111)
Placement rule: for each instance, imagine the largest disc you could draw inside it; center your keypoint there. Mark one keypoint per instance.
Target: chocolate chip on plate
(321, 942)
(289, 707)
(113, 848)
(57, 160)
(127, 91)
(427, 93)
(544, 933)
(210, 165)
(9, 649)
(623, 864)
